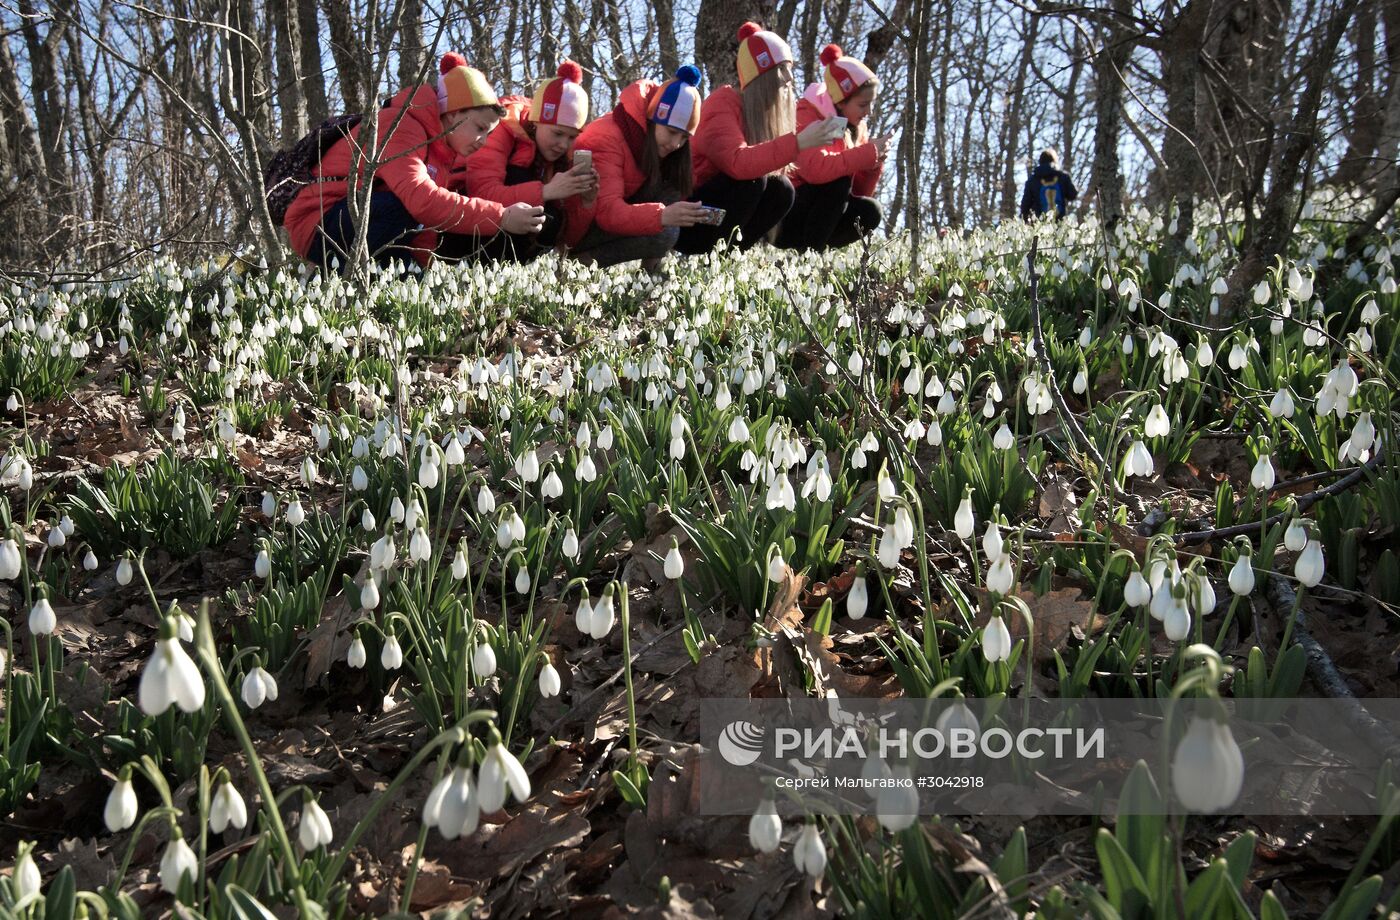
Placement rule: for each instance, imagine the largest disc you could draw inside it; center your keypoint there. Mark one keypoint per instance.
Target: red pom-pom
(748, 29)
(450, 60)
(830, 55)
(571, 72)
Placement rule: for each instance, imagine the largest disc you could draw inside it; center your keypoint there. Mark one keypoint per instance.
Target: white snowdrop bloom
(258, 687)
(963, 519)
(765, 827)
(897, 803)
(452, 806)
(420, 547)
(1176, 619)
(170, 677)
(42, 619)
(1207, 767)
(124, 571)
(992, 542)
(122, 808)
(527, 465)
(1157, 424)
(552, 487)
(585, 471)
(308, 471)
(90, 562)
(295, 515)
(1136, 591)
(570, 545)
(227, 809)
(1281, 406)
(485, 500)
(673, 566)
(177, 863)
(1310, 565)
(550, 682)
(269, 504)
(11, 562)
(777, 567)
(1138, 461)
(522, 580)
(391, 654)
(501, 772)
(357, 655)
(262, 564)
(583, 440)
(428, 474)
(809, 854)
(483, 660)
(1262, 476)
(315, 828)
(367, 522)
(369, 593)
(1001, 576)
(605, 438)
(454, 455)
(996, 640)
(858, 600)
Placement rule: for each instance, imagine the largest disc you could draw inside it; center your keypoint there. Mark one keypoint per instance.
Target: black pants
(752, 206)
(506, 247)
(601, 248)
(828, 216)
(391, 231)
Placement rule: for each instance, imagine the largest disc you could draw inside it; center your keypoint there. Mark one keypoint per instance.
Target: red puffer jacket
(820, 165)
(417, 165)
(510, 145)
(619, 173)
(719, 145)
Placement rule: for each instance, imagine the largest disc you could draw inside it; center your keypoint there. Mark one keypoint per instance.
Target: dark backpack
(292, 169)
(1051, 196)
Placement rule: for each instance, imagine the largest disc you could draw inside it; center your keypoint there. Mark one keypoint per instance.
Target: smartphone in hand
(836, 125)
(583, 158)
(714, 216)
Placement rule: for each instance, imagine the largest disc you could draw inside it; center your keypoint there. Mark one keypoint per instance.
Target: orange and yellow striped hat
(462, 87)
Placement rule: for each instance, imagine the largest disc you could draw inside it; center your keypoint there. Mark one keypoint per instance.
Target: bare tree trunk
(50, 104)
(411, 52)
(807, 40)
(1011, 134)
(881, 39)
(1181, 68)
(348, 53)
(1106, 174)
(1069, 102)
(313, 77)
(291, 104)
(715, 27)
(666, 35)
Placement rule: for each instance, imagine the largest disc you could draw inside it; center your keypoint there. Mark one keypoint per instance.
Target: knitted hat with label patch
(561, 101)
(462, 87)
(759, 52)
(676, 103)
(844, 75)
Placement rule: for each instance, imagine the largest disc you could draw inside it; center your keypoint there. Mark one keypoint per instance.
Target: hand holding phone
(714, 216)
(837, 125)
(583, 160)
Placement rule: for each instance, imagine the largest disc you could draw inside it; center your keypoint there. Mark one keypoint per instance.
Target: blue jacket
(1047, 188)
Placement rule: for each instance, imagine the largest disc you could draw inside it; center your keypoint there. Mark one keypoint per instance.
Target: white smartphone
(836, 125)
(583, 158)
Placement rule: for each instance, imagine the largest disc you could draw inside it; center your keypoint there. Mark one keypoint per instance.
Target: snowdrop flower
(308, 471)
(262, 564)
(1295, 537)
(227, 809)
(583, 615)
(1207, 768)
(571, 546)
(369, 593)
(1242, 576)
(1001, 577)
(356, 656)
(1281, 406)
(121, 809)
(459, 564)
(11, 562)
(522, 580)
(992, 542)
(315, 827)
(550, 682)
(295, 514)
(605, 438)
(1202, 593)
(1157, 424)
(776, 566)
(809, 854)
(420, 547)
(391, 654)
(765, 827)
(674, 565)
(501, 772)
(1136, 591)
(452, 806)
(527, 465)
(428, 473)
(604, 616)
(1138, 461)
(178, 862)
(1309, 567)
(896, 804)
(124, 571)
(485, 500)
(585, 471)
(483, 660)
(56, 537)
(170, 676)
(996, 640)
(858, 600)
(258, 686)
(1003, 439)
(367, 522)
(1176, 620)
(552, 487)
(962, 518)
(884, 486)
(1262, 476)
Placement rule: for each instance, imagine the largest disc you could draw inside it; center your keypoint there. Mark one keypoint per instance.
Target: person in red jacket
(745, 144)
(833, 206)
(529, 158)
(423, 134)
(641, 151)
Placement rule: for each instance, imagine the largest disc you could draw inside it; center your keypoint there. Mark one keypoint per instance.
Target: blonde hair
(769, 106)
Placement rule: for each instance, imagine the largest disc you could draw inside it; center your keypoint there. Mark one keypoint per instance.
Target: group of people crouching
(465, 175)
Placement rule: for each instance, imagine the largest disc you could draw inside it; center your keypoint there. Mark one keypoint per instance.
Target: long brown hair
(542, 167)
(769, 105)
(674, 172)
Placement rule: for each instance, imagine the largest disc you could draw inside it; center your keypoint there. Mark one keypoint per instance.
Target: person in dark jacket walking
(1048, 188)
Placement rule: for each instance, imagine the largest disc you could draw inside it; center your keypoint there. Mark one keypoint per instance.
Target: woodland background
(127, 127)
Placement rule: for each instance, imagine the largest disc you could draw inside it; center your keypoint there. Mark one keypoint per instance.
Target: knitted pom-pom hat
(844, 75)
(676, 103)
(460, 86)
(562, 100)
(759, 52)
